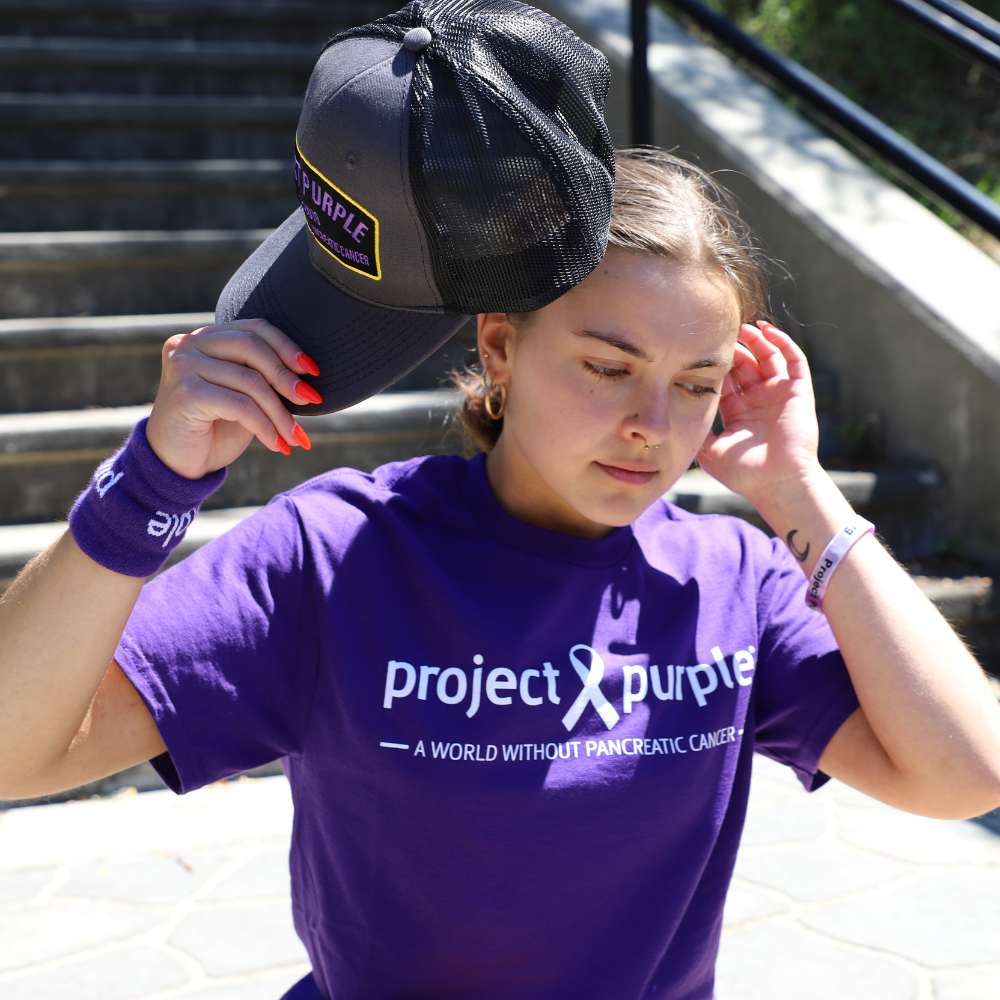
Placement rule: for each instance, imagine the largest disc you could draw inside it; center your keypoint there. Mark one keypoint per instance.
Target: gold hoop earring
(488, 398)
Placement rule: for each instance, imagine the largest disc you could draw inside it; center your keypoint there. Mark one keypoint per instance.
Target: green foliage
(878, 58)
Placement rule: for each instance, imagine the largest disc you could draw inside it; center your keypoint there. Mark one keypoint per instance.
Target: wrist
(809, 490)
(136, 510)
(805, 512)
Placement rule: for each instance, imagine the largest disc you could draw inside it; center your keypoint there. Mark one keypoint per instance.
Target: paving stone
(918, 839)
(151, 822)
(743, 903)
(23, 884)
(940, 919)
(31, 934)
(764, 767)
(259, 988)
(231, 940)
(980, 984)
(779, 962)
(783, 820)
(815, 872)
(124, 974)
(263, 875)
(156, 880)
(766, 790)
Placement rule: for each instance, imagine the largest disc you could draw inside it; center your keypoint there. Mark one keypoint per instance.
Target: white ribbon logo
(591, 693)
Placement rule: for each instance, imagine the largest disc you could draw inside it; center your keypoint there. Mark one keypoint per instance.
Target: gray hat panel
(355, 131)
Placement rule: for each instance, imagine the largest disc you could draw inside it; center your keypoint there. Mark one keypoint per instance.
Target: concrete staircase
(144, 153)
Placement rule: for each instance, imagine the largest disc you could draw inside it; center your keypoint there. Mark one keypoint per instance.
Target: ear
(495, 337)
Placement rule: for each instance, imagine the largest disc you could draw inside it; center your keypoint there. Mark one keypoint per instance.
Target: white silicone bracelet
(830, 559)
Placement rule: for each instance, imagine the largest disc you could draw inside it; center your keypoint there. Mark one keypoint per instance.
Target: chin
(617, 514)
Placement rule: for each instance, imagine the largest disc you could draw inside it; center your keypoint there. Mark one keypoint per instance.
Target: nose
(645, 441)
(649, 425)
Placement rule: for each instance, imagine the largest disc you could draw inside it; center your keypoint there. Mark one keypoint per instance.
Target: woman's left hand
(769, 415)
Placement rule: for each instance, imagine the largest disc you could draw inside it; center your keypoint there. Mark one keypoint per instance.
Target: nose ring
(645, 444)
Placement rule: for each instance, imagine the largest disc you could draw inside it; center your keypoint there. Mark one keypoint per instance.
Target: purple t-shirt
(519, 759)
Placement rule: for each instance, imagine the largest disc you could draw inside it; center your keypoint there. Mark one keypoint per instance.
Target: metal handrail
(642, 107)
(964, 39)
(886, 143)
(970, 17)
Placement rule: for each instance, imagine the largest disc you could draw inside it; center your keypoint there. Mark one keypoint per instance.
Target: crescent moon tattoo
(800, 555)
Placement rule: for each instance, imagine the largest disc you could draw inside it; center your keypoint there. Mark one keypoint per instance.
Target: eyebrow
(617, 342)
(714, 361)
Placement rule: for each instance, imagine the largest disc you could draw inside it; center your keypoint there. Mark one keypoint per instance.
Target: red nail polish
(283, 446)
(304, 361)
(300, 437)
(305, 391)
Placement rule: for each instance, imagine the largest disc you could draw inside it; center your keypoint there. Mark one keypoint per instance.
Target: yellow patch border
(360, 208)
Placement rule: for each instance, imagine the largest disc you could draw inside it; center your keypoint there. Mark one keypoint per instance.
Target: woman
(517, 697)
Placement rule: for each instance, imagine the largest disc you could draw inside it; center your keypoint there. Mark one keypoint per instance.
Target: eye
(695, 389)
(604, 373)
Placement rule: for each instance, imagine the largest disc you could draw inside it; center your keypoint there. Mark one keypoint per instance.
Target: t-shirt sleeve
(803, 693)
(223, 649)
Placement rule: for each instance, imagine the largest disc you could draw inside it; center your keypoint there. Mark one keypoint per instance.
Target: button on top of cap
(417, 39)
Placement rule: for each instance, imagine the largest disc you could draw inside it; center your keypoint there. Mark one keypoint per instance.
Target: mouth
(630, 473)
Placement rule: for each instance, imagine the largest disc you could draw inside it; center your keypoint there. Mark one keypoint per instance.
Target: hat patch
(340, 225)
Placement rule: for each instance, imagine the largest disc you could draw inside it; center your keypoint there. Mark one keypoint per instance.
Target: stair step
(88, 361)
(904, 504)
(47, 458)
(277, 20)
(67, 364)
(177, 53)
(963, 601)
(117, 272)
(19, 543)
(229, 11)
(140, 126)
(155, 66)
(148, 109)
(91, 195)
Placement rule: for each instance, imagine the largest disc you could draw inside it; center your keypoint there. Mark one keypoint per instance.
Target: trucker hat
(451, 158)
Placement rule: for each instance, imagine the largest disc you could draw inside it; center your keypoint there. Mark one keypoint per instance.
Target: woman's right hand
(220, 388)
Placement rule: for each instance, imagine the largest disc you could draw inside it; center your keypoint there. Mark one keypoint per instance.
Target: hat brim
(360, 349)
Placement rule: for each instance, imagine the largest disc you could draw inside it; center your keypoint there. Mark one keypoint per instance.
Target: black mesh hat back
(450, 159)
(511, 165)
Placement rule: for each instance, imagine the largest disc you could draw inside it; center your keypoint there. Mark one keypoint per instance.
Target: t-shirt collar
(495, 521)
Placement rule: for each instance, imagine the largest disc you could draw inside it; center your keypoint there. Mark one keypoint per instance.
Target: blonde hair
(665, 207)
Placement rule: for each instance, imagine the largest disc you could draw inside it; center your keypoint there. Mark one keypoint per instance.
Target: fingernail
(304, 361)
(283, 446)
(305, 391)
(300, 437)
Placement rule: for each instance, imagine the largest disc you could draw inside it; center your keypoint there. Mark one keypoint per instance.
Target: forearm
(60, 623)
(923, 695)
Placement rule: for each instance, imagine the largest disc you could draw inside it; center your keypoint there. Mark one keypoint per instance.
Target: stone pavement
(154, 897)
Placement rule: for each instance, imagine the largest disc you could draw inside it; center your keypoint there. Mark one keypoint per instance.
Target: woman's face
(635, 355)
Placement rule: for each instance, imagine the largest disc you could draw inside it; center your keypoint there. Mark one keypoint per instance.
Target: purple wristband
(135, 510)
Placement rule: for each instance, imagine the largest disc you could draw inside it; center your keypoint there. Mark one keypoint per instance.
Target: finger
(249, 382)
(218, 402)
(291, 355)
(745, 372)
(733, 404)
(710, 438)
(795, 359)
(248, 348)
(769, 357)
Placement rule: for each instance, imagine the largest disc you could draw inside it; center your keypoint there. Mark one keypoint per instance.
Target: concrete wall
(906, 311)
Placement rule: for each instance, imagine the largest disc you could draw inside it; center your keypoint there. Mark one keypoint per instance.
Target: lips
(630, 473)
